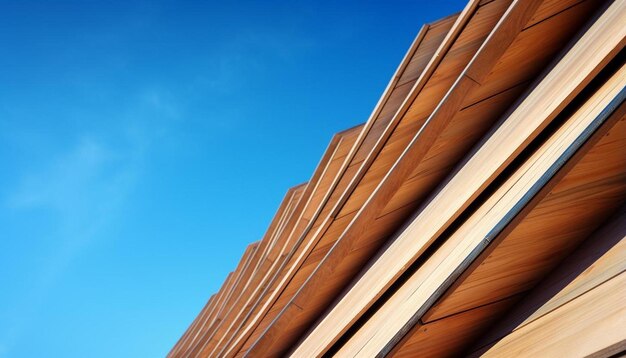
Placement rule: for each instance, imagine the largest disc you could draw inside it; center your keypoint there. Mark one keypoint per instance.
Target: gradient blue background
(144, 144)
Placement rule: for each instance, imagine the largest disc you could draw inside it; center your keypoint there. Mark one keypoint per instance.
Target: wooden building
(480, 211)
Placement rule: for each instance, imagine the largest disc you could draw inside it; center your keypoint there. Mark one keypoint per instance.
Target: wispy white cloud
(85, 189)
(82, 190)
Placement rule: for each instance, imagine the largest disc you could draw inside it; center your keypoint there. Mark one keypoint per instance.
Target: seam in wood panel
(520, 294)
(555, 14)
(522, 83)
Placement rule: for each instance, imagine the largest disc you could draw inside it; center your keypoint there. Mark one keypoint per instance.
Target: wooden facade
(480, 210)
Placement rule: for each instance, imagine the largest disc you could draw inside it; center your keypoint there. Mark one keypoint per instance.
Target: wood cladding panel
(330, 172)
(466, 128)
(357, 254)
(550, 8)
(544, 39)
(420, 59)
(559, 207)
(610, 264)
(453, 62)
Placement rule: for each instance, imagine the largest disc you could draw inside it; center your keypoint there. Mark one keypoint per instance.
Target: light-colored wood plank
(589, 323)
(575, 70)
(612, 263)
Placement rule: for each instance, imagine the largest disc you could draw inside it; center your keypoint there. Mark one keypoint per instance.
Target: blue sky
(144, 144)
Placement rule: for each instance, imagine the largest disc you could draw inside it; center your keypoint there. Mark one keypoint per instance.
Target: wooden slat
(588, 324)
(575, 70)
(367, 185)
(483, 105)
(506, 268)
(420, 60)
(608, 266)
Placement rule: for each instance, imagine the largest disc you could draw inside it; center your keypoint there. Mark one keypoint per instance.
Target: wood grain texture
(600, 258)
(436, 340)
(543, 103)
(581, 327)
(610, 264)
